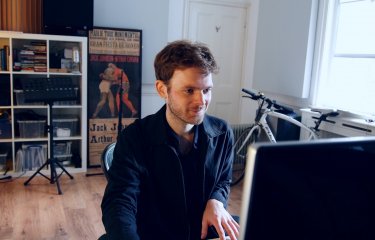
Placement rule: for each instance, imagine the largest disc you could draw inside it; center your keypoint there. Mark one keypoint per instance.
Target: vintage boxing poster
(114, 85)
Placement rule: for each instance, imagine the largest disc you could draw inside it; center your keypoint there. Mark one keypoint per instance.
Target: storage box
(32, 128)
(65, 159)
(20, 98)
(31, 157)
(5, 129)
(62, 148)
(3, 160)
(65, 127)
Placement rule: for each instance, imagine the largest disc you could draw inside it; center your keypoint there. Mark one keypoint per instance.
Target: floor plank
(36, 211)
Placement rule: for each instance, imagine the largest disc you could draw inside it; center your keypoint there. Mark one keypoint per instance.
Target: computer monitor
(322, 189)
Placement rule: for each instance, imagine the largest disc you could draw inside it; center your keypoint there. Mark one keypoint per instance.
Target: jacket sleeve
(222, 187)
(119, 204)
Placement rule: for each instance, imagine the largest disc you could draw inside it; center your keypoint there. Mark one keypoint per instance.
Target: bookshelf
(24, 139)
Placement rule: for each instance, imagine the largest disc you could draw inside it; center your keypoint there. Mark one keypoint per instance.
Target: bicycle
(268, 107)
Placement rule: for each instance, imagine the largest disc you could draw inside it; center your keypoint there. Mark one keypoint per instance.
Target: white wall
(162, 21)
(284, 47)
(248, 107)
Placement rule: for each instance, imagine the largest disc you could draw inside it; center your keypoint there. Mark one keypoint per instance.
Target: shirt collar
(173, 137)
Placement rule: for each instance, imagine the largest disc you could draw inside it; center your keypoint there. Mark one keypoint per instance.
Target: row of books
(32, 57)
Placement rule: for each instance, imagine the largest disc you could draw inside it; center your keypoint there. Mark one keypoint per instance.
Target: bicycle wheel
(240, 151)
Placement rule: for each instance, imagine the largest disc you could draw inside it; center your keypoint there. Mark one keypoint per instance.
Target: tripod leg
(64, 170)
(38, 171)
(54, 178)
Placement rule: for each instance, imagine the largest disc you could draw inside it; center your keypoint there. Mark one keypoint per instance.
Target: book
(7, 55)
(3, 59)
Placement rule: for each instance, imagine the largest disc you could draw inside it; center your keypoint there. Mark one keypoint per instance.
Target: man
(171, 171)
(106, 80)
(123, 82)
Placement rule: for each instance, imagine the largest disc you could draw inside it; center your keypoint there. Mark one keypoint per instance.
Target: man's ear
(161, 88)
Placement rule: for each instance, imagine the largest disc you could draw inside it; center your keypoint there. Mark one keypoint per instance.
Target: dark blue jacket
(145, 195)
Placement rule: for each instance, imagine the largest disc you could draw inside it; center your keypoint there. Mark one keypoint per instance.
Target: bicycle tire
(240, 154)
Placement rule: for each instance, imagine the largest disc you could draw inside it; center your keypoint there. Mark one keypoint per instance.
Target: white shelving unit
(27, 59)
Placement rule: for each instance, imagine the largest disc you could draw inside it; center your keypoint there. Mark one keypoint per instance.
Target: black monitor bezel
(256, 149)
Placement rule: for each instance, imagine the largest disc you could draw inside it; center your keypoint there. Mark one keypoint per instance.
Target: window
(346, 65)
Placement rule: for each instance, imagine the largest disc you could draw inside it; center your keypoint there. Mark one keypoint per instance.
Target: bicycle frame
(268, 107)
(262, 124)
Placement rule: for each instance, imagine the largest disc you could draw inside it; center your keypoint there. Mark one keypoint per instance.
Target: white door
(222, 28)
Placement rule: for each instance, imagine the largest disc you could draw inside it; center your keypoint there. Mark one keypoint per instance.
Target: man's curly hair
(183, 54)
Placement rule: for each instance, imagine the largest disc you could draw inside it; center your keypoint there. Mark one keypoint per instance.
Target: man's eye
(207, 90)
(189, 91)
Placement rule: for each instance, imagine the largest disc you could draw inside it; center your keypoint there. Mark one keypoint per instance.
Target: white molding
(322, 46)
(234, 3)
(248, 108)
(151, 101)
(149, 89)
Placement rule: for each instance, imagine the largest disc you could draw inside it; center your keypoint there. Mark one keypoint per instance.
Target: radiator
(238, 130)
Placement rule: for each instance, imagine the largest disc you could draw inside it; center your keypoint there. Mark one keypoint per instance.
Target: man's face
(188, 95)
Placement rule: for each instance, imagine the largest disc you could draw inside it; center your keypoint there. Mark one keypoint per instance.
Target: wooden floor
(36, 211)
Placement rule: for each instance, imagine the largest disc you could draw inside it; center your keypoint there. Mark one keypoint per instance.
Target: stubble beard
(178, 114)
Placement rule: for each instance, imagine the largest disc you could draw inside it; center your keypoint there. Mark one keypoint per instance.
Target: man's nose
(200, 97)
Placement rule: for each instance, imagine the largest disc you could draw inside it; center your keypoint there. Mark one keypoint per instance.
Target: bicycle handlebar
(323, 117)
(271, 103)
(253, 95)
(332, 114)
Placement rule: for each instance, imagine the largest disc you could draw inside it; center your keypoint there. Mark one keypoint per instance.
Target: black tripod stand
(49, 90)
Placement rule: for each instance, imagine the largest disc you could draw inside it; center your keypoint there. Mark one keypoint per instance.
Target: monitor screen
(322, 189)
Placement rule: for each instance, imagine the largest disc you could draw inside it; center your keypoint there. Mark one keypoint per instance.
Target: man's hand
(216, 215)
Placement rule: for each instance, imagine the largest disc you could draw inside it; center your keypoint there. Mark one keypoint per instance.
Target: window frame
(326, 34)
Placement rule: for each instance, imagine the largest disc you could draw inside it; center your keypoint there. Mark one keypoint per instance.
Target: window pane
(356, 31)
(351, 85)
